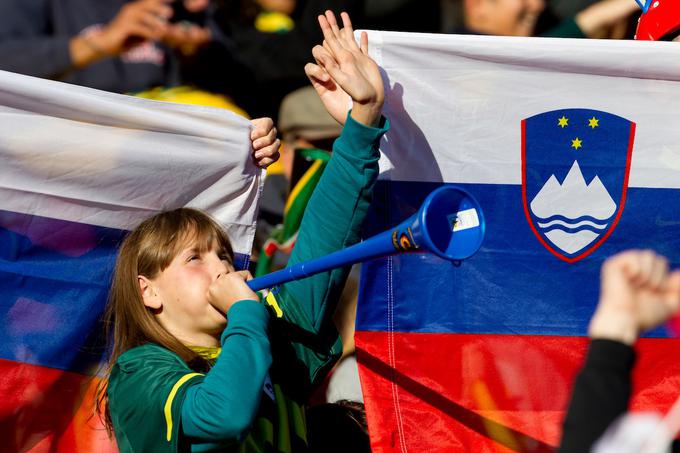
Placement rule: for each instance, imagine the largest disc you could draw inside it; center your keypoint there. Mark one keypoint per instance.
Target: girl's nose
(218, 266)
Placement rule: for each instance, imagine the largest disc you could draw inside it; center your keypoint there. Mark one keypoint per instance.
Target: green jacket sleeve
(332, 221)
(224, 405)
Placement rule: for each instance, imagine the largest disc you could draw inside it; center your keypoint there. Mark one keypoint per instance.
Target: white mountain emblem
(558, 206)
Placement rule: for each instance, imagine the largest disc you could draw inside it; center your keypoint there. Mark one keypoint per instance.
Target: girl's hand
(265, 144)
(230, 288)
(344, 72)
(638, 292)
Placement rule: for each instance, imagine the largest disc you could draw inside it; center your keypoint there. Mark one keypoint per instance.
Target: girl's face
(181, 290)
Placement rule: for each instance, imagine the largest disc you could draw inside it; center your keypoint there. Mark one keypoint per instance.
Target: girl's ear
(149, 294)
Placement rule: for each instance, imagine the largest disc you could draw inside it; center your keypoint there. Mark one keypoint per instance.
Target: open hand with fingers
(638, 292)
(345, 72)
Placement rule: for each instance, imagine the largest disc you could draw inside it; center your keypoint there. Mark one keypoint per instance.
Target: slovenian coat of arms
(575, 168)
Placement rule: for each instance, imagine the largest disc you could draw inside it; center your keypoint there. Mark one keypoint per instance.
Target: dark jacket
(35, 35)
(601, 394)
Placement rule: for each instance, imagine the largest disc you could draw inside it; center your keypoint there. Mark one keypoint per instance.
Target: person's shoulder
(149, 357)
(147, 372)
(147, 351)
(145, 390)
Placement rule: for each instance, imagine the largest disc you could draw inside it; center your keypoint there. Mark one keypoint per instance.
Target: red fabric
(487, 393)
(662, 18)
(48, 410)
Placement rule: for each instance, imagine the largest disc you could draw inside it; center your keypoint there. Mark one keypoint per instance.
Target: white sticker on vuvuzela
(464, 220)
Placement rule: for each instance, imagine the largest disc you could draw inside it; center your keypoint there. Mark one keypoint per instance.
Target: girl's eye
(193, 257)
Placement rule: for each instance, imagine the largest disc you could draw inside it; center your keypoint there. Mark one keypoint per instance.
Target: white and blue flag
(78, 169)
(572, 148)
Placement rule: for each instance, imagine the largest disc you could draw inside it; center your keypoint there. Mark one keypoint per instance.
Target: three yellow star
(593, 122)
(563, 122)
(576, 143)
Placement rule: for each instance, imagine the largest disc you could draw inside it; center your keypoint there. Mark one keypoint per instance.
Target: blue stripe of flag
(513, 285)
(54, 281)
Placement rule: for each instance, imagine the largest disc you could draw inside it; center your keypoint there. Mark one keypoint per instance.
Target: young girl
(180, 380)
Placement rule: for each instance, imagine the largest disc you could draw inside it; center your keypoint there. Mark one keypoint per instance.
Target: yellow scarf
(209, 353)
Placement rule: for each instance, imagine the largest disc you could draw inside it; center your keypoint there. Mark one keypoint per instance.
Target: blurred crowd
(252, 51)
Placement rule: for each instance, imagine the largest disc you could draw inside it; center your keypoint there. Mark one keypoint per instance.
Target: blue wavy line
(571, 230)
(599, 226)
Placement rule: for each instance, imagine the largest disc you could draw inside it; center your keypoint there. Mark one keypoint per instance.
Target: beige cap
(303, 115)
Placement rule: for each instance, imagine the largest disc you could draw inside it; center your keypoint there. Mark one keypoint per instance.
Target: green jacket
(158, 404)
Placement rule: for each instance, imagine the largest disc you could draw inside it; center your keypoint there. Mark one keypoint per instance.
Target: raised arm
(343, 73)
(224, 405)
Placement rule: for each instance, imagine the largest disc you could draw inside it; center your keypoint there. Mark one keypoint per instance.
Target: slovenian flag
(79, 168)
(572, 148)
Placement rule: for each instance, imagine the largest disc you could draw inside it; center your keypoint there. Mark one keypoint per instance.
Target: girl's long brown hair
(147, 251)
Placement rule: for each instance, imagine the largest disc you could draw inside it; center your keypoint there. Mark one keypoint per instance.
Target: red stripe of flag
(487, 393)
(49, 410)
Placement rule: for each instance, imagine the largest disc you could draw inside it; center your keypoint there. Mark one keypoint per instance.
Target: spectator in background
(260, 68)
(129, 46)
(113, 45)
(519, 18)
(303, 124)
(604, 19)
(500, 17)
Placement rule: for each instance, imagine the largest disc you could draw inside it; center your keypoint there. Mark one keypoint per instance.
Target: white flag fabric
(464, 95)
(87, 156)
(572, 148)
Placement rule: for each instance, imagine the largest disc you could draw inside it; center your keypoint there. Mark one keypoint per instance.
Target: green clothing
(568, 28)
(149, 382)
